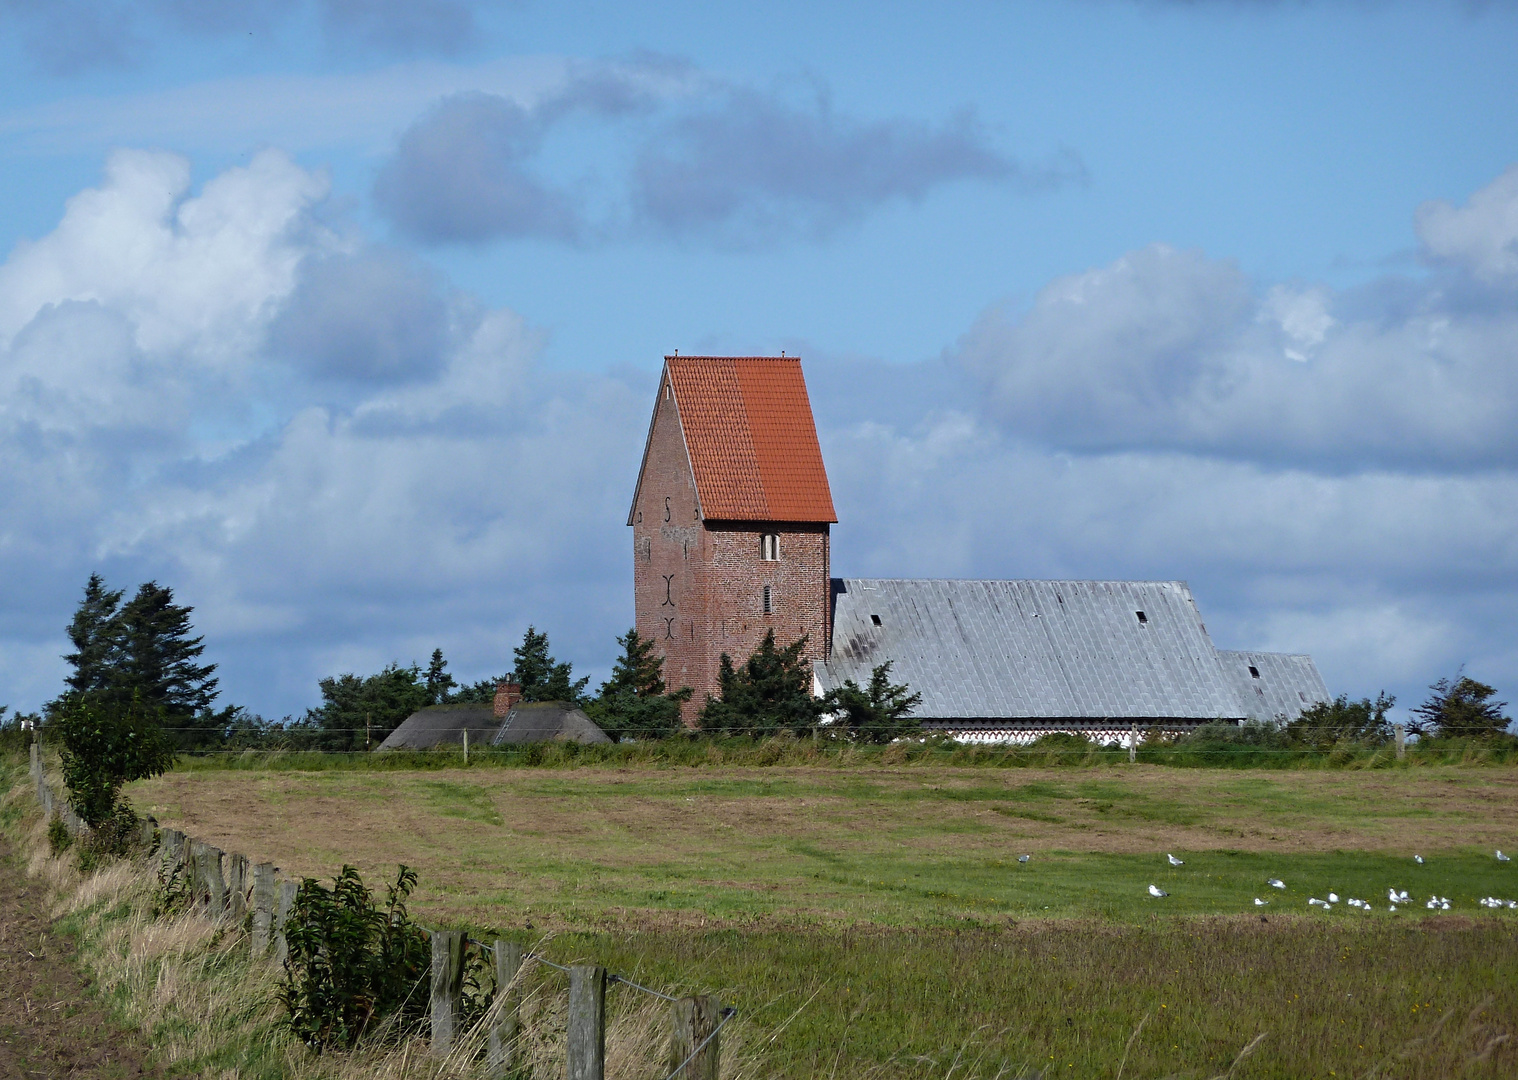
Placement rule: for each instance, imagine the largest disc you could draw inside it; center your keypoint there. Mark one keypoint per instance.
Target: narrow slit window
(769, 605)
(1254, 672)
(875, 619)
(1144, 619)
(769, 547)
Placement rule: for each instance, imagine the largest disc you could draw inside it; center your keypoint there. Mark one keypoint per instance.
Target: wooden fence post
(1401, 731)
(149, 830)
(263, 907)
(210, 886)
(237, 888)
(287, 891)
(694, 1019)
(447, 987)
(587, 1022)
(501, 1052)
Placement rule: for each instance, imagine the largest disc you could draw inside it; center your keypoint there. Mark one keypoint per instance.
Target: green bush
(351, 965)
(59, 839)
(102, 746)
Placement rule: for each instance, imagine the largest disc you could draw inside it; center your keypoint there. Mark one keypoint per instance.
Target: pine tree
(95, 634)
(439, 682)
(633, 703)
(157, 656)
(541, 676)
(1461, 709)
(771, 693)
(879, 714)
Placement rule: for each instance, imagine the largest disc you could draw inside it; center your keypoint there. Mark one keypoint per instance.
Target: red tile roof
(752, 442)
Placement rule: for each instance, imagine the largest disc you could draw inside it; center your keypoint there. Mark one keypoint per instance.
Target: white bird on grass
(1023, 859)
(1174, 861)
(1502, 858)
(1260, 903)
(1352, 902)
(1155, 890)
(1333, 898)
(1418, 859)
(1398, 897)
(1313, 901)
(1275, 883)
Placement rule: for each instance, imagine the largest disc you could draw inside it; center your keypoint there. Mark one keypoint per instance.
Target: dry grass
(208, 1009)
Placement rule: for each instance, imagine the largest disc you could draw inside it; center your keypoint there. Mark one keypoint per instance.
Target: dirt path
(48, 1025)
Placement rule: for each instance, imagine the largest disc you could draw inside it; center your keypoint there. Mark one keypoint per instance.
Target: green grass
(873, 921)
(716, 752)
(1332, 1000)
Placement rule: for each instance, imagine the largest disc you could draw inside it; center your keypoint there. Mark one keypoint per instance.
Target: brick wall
(698, 587)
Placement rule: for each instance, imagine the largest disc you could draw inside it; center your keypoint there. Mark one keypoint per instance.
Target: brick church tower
(730, 517)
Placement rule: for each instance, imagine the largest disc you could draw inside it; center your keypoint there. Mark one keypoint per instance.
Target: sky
(343, 318)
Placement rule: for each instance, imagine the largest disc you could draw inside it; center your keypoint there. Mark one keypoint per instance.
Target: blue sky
(342, 316)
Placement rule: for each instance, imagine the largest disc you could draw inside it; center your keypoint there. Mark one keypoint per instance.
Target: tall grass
(1209, 748)
(207, 1008)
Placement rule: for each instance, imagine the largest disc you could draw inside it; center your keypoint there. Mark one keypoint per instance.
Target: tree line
(138, 660)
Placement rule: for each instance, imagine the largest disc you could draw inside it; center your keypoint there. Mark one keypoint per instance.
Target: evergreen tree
(769, 694)
(878, 714)
(1461, 709)
(157, 657)
(439, 682)
(1329, 722)
(541, 676)
(633, 703)
(95, 634)
(358, 711)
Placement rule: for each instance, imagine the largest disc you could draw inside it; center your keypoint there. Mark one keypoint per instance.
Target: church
(732, 518)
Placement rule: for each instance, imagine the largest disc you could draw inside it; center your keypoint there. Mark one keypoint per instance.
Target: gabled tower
(730, 517)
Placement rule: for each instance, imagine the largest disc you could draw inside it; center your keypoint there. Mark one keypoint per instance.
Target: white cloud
(152, 426)
(1170, 349)
(1482, 235)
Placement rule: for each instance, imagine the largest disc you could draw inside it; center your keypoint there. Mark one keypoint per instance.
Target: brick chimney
(507, 694)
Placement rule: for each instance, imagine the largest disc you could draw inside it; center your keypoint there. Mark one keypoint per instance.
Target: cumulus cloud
(166, 364)
(712, 162)
(374, 316)
(1480, 237)
(459, 174)
(1168, 349)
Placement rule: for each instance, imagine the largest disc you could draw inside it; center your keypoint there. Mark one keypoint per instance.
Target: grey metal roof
(437, 725)
(538, 721)
(1033, 649)
(1281, 685)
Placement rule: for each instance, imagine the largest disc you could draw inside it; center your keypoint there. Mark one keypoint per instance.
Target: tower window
(769, 547)
(1142, 617)
(1254, 672)
(769, 605)
(875, 619)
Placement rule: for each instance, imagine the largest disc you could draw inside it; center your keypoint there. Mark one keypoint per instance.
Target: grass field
(650, 848)
(874, 921)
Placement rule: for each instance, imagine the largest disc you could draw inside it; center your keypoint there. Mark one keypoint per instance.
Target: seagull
(1502, 858)
(1023, 859)
(1174, 861)
(1391, 894)
(1260, 903)
(1394, 907)
(1418, 859)
(1313, 901)
(1155, 890)
(1352, 902)
(1275, 883)
(1333, 898)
